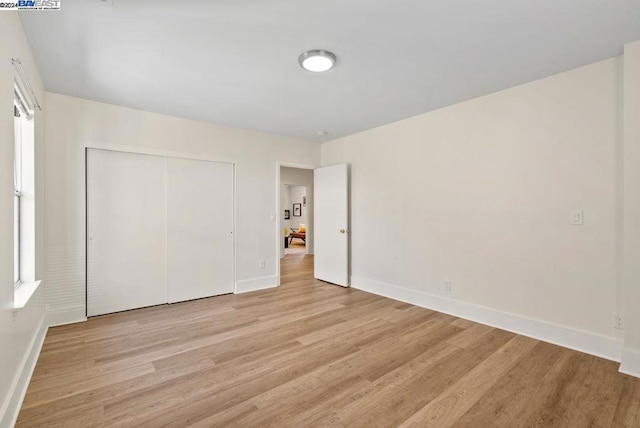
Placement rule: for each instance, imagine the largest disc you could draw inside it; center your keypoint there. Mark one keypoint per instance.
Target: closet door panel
(199, 229)
(126, 231)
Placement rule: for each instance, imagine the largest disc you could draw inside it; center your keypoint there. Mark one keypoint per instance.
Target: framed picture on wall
(297, 210)
(287, 214)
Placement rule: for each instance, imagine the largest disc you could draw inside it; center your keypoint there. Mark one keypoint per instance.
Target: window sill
(22, 294)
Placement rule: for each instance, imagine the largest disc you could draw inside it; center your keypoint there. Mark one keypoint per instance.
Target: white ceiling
(234, 62)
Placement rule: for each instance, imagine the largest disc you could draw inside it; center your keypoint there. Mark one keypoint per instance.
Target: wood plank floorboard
(310, 354)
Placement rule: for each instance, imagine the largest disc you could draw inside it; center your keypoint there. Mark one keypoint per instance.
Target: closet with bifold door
(159, 230)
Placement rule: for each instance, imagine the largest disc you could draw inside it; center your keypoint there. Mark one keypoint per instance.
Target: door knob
(343, 231)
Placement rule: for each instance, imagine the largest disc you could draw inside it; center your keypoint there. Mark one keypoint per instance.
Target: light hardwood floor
(312, 354)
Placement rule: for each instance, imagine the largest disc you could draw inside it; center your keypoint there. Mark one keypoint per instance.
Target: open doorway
(295, 219)
(296, 212)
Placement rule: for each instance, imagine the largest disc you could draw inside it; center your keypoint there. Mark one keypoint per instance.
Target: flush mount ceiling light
(317, 60)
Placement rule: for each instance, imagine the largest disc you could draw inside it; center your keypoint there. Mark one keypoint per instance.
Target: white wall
(631, 254)
(285, 202)
(295, 195)
(20, 332)
(285, 198)
(301, 177)
(74, 123)
(481, 193)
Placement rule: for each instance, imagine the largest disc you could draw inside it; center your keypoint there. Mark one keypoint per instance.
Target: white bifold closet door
(159, 230)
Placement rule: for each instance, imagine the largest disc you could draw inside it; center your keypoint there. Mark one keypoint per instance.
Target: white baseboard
(630, 362)
(64, 316)
(583, 341)
(255, 284)
(18, 390)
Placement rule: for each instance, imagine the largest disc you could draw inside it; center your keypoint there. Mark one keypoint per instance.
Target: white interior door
(331, 217)
(126, 228)
(199, 229)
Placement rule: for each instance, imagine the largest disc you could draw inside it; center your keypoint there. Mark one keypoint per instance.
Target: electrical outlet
(618, 321)
(262, 264)
(447, 285)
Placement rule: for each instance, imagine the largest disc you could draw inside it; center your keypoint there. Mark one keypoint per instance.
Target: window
(17, 191)
(25, 104)
(23, 192)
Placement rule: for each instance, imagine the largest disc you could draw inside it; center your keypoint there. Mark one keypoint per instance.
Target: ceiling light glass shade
(317, 60)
